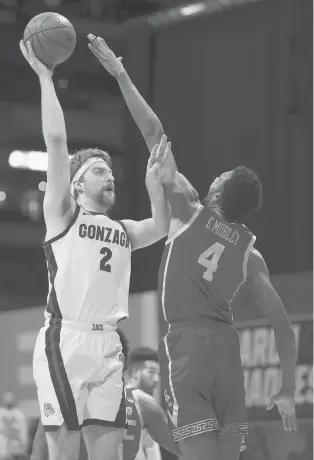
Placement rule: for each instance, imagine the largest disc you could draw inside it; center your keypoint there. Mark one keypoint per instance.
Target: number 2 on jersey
(214, 252)
(107, 254)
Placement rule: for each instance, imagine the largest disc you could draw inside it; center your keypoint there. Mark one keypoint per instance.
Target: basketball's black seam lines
(44, 51)
(46, 30)
(53, 41)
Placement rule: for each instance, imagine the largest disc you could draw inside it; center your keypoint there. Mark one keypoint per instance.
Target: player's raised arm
(179, 192)
(58, 203)
(273, 308)
(145, 118)
(155, 421)
(148, 231)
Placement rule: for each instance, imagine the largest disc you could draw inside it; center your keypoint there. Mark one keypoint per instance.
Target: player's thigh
(201, 447)
(229, 394)
(62, 368)
(105, 404)
(230, 447)
(187, 360)
(63, 444)
(103, 443)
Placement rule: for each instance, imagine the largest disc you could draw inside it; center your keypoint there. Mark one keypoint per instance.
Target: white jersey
(89, 266)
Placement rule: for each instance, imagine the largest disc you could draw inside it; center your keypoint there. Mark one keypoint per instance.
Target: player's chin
(109, 198)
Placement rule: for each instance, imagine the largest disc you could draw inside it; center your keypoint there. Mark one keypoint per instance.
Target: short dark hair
(138, 356)
(82, 155)
(241, 195)
(125, 344)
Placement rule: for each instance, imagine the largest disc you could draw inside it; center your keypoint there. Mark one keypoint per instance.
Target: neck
(91, 206)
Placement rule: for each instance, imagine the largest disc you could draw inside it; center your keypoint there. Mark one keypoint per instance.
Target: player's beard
(104, 199)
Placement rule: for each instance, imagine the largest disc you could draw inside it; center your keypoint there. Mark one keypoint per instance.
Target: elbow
(284, 331)
(155, 131)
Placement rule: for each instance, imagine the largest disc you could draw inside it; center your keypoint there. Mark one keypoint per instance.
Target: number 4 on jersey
(214, 252)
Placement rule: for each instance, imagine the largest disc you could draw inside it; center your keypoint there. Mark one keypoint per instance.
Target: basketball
(52, 37)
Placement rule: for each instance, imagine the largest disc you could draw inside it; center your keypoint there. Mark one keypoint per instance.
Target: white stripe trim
(244, 266)
(185, 226)
(175, 406)
(175, 403)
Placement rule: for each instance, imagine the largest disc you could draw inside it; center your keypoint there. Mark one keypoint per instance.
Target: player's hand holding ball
(41, 70)
(105, 55)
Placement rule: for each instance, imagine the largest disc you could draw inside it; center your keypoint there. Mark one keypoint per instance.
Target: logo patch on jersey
(129, 411)
(48, 409)
(98, 327)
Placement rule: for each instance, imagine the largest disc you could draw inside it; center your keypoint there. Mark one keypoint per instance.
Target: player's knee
(63, 444)
(200, 447)
(230, 447)
(99, 439)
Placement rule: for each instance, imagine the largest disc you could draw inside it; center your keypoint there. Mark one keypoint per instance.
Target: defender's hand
(154, 164)
(167, 166)
(105, 55)
(36, 65)
(286, 408)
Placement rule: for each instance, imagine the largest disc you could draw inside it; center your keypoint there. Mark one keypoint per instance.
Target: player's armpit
(155, 421)
(145, 232)
(182, 198)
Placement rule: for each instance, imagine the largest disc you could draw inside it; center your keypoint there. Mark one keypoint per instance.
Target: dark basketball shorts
(203, 381)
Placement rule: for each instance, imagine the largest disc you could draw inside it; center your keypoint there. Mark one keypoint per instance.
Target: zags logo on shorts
(98, 327)
(48, 409)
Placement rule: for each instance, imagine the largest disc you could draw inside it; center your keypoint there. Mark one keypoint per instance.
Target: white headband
(82, 169)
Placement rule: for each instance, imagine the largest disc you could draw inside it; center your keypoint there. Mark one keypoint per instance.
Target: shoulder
(149, 407)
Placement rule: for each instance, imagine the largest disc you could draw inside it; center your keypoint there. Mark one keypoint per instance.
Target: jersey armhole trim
(246, 258)
(66, 230)
(187, 225)
(138, 408)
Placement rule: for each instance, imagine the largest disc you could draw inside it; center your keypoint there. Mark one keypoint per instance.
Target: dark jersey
(202, 267)
(134, 425)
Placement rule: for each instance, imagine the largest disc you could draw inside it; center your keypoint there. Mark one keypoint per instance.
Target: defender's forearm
(53, 124)
(145, 118)
(286, 346)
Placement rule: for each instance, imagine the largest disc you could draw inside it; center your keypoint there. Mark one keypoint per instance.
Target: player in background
(77, 357)
(142, 413)
(13, 430)
(143, 375)
(197, 290)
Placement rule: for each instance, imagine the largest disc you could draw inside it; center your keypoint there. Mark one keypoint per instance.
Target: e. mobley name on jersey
(105, 234)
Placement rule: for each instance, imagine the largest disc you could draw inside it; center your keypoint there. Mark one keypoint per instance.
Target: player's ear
(79, 186)
(216, 197)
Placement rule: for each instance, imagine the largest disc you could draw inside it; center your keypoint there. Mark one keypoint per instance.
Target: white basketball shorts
(78, 371)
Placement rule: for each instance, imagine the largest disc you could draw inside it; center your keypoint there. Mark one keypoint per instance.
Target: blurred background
(231, 81)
